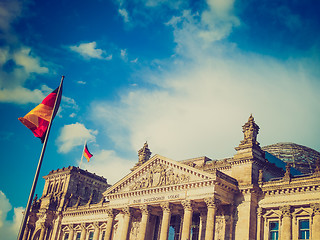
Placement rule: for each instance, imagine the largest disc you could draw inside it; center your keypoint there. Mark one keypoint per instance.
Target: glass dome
(301, 157)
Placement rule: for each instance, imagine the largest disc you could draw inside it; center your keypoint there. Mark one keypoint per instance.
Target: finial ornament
(144, 155)
(250, 131)
(287, 173)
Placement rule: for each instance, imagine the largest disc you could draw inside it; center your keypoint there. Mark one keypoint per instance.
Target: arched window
(50, 188)
(61, 186)
(56, 187)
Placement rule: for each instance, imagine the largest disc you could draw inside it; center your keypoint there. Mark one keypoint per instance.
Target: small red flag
(37, 120)
(86, 153)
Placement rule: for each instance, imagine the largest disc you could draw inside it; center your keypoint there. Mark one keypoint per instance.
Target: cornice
(298, 185)
(72, 169)
(173, 188)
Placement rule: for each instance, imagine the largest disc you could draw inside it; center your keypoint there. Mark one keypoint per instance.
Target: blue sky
(182, 75)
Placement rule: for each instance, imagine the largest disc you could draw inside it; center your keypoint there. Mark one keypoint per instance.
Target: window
(274, 230)
(78, 235)
(304, 229)
(66, 236)
(90, 236)
(61, 186)
(56, 187)
(50, 187)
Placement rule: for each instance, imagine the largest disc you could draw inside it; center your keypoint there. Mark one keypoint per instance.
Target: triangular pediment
(158, 172)
(302, 212)
(272, 214)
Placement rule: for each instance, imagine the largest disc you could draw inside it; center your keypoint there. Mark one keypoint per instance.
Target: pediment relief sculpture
(159, 175)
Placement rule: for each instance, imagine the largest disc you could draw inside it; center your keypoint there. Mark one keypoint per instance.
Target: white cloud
(9, 228)
(74, 135)
(105, 162)
(199, 109)
(124, 54)
(21, 64)
(205, 93)
(82, 82)
(134, 60)
(124, 14)
(90, 50)
(21, 95)
(30, 63)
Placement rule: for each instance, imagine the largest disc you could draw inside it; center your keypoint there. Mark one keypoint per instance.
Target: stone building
(247, 196)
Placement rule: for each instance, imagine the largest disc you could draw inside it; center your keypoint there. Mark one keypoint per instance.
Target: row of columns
(208, 222)
(165, 223)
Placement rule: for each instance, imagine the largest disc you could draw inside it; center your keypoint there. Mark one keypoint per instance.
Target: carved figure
(160, 175)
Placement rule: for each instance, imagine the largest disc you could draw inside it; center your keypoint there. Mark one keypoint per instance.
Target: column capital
(187, 204)
(127, 211)
(285, 210)
(166, 207)
(211, 202)
(145, 209)
(110, 212)
(316, 208)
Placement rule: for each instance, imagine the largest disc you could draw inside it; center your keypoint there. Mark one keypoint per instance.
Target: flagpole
(84, 146)
(35, 180)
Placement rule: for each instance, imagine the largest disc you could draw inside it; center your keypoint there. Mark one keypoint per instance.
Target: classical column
(71, 231)
(202, 227)
(211, 217)
(83, 231)
(286, 226)
(126, 221)
(316, 221)
(43, 231)
(187, 219)
(96, 231)
(110, 217)
(145, 211)
(165, 224)
(259, 224)
(26, 232)
(232, 210)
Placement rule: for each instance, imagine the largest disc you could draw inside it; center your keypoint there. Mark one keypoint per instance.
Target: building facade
(243, 197)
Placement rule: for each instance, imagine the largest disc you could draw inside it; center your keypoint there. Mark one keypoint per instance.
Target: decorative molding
(316, 208)
(166, 207)
(285, 210)
(110, 213)
(212, 202)
(145, 209)
(127, 211)
(187, 205)
(160, 175)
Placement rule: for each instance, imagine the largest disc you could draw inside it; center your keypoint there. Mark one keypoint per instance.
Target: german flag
(86, 153)
(37, 120)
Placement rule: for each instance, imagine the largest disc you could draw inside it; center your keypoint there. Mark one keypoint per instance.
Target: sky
(182, 75)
